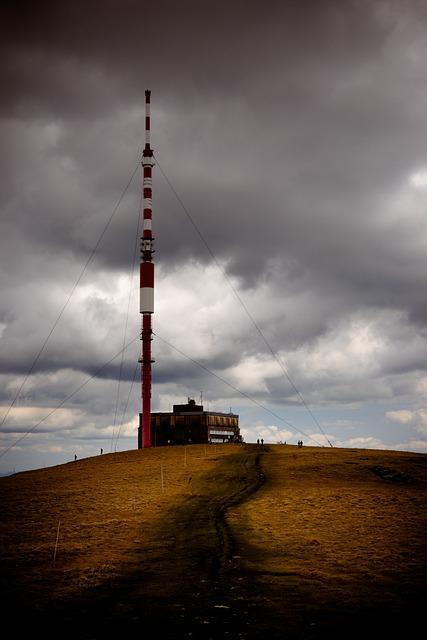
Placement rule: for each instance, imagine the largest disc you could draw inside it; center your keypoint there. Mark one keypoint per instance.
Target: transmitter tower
(146, 284)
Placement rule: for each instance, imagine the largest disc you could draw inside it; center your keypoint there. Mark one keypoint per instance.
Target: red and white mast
(146, 285)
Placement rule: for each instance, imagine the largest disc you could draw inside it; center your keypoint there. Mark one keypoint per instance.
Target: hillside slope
(222, 541)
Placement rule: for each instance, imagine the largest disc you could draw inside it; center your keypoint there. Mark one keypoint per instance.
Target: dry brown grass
(329, 539)
(336, 530)
(107, 506)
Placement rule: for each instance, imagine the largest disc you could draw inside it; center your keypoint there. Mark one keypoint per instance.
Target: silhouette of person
(102, 451)
(257, 441)
(75, 457)
(262, 440)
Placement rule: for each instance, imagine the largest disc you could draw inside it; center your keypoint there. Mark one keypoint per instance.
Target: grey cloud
(288, 130)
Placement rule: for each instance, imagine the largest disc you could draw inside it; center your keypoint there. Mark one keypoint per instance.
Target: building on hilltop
(190, 424)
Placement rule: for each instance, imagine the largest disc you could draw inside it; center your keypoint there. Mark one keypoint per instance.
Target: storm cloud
(295, 136)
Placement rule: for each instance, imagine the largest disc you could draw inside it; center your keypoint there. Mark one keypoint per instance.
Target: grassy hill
(217, 541)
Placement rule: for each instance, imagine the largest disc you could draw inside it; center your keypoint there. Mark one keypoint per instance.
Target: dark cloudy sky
(295, 134)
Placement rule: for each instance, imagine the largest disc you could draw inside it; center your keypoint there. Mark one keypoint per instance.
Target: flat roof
(194, 413)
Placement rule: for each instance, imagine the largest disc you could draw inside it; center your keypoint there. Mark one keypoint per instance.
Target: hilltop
(217, 541)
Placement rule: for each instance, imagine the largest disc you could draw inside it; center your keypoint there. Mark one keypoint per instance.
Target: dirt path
(186, 585)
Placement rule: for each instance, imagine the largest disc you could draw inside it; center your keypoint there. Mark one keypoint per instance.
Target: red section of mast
(146, 286)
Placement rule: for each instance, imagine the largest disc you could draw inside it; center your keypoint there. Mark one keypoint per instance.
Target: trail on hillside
(222, 542)
(187, 585)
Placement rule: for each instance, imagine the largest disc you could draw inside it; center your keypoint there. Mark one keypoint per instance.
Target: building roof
(191, 408)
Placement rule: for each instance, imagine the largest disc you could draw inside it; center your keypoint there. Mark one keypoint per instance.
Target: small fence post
(57, 538)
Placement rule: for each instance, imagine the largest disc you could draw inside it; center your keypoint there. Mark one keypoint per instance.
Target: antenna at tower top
(147, 150)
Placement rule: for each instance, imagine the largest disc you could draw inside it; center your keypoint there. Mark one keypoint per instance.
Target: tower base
(140, 433)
